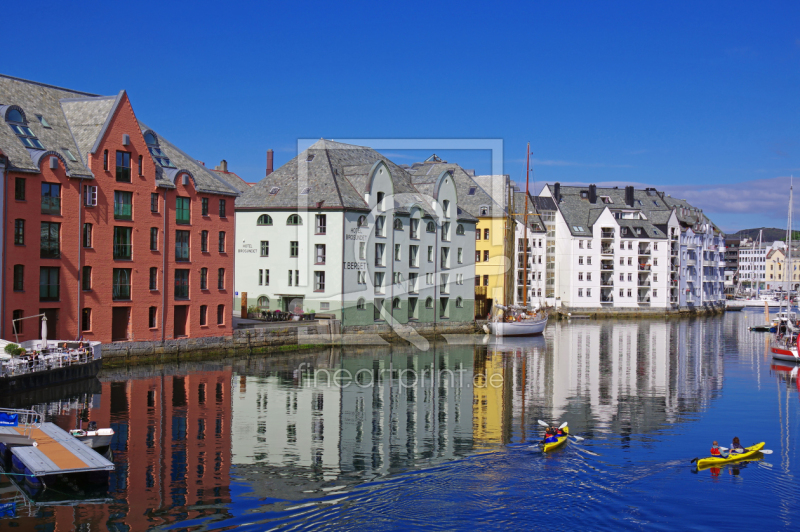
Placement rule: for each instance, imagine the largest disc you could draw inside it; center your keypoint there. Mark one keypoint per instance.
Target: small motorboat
(749, 453)
(94, 437)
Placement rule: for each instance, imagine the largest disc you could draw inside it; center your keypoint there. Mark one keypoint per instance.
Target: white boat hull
(738, 304)
(518, 328)
(96, 439)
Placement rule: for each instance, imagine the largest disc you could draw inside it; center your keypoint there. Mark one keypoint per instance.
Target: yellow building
(775, 269)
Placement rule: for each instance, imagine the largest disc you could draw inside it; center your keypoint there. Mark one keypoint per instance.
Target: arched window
(14, 115)
(459, 302)
(362, 221)
(17, 122)
(264, 219)
(150, 139)
(446, 208)
(484, 210)
(361, 305)
(431, 227)
(396, 303)
(429, 303)
(294, 219)
(380, 197)
(263, 303)
(398, 224)
(460, 229)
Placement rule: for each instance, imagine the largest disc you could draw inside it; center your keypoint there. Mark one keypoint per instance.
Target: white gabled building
(342, 230)
(539, 242)
(612, 248)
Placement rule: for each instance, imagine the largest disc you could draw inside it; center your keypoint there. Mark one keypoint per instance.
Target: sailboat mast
(525, 233)
(789, 250)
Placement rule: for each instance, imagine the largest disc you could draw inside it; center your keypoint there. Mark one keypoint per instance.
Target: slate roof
(335, 174)
(425, 173)
(232, 179)
(78, 120)
(579, 213)
(689, 215)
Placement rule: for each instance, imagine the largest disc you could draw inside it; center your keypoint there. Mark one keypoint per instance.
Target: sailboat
(784, 341)
(514, 320)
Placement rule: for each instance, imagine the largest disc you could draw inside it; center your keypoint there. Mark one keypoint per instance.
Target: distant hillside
(770, 234)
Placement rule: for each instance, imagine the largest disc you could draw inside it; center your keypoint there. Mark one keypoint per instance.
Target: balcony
(721, 264)
(606, 300)
(644, 300)
(607, 282)
(606, 250)
(691, 262)
(481, 291)
(673, 236)
(606, 267)
(673, 300)
(644, 251)
(644, 267)
(691, 245)
(607, 234)
(673, 250)
(644, 284)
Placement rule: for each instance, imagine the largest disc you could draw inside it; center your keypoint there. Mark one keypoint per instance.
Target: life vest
(715, 451)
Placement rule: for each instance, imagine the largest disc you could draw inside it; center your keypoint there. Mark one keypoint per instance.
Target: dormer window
(606, 199)
(305, 191)
(274, 190)
(17, 122)
(69, 155)
(484, 211)
(584, 194)
(310, 158)
(472, 191)
(157, 153)
(43, 121)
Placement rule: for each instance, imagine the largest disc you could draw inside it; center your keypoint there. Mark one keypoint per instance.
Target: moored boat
(711, 461)
(522, 324)
(96, 439)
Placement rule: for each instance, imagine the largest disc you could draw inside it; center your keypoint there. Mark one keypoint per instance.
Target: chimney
(592, 193)
(269, 162)
(629, 195)
(557, 192)
(223, 165)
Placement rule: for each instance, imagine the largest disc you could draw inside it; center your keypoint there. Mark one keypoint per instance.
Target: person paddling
(550, 435)
(715, 450)
(736, 447)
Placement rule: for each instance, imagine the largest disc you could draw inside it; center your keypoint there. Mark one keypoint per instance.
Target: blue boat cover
(9, 420)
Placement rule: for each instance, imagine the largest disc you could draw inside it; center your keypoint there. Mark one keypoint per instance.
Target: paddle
(542, 423)
(762, 451)
(578, 438)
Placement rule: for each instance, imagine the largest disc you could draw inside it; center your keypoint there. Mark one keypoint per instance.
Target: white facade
(537, 266)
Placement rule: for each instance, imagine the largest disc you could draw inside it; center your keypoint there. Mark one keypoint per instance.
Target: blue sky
(700, 99)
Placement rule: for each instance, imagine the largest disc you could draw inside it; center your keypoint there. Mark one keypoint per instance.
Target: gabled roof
(425, 174)
(232, 179)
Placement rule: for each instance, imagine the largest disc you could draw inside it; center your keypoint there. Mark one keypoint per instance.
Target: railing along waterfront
(54, 359)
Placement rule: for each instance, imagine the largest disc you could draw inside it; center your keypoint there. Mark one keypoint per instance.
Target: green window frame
(51, 198)
(49, 289)
(204, 204)
(182, 210)
(49, 247)
(181, 284)
(203, 278)
(19, 232)
(123, 167)
(181, 246)
(123, 245)
(123, 205)
(86, 278)
(121, 288)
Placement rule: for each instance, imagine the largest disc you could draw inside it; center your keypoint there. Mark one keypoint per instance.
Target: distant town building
(539, 243)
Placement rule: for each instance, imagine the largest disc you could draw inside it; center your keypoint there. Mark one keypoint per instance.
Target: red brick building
(110, 230)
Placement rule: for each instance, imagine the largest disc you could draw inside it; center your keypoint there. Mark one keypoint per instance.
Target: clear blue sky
(698, 98)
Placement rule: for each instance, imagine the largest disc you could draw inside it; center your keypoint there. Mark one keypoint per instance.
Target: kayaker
(736, 447)
(715, 450)
(550, 436)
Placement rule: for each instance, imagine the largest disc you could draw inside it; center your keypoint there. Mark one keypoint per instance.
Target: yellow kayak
(552, 446)
(749, 452)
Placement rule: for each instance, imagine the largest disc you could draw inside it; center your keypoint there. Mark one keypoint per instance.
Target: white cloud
(555, 162)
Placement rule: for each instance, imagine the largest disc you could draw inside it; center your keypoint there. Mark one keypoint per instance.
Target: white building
(342, 230)
(538, 243)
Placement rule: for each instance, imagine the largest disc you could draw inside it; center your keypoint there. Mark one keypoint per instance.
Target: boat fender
(486, 329)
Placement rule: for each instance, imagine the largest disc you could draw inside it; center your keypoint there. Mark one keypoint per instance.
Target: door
(120, 323)
(52, 323)
(181, 313)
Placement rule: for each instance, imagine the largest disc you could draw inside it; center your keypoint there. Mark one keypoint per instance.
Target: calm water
(440, 439)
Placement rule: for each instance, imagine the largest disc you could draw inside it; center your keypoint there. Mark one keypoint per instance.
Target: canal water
(399, 438)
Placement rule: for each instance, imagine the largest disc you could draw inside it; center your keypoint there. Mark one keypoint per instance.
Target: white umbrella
(44, 332)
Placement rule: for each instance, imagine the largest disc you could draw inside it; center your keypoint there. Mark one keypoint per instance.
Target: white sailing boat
(784, 341)
(518, 320)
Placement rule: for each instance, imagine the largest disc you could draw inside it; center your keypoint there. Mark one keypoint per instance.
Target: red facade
(99, 286)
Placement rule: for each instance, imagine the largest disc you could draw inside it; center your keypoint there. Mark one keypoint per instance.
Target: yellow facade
(488, 404)
(493, 267)
(774, 269)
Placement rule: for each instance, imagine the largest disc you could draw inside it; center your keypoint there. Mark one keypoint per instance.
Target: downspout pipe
(164, 272)
(80, 260)
(4, 165)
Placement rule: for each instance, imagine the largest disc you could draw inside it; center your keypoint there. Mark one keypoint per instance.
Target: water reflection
(194, 440)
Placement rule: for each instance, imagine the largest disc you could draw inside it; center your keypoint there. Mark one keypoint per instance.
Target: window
(293, 248)
(19, 188)
(264, 219)
(182, 210)
(413, 256)
(398, 224)
(443, 285)
(204, 241)
(477, 234)
(123, 205)
(430, 253)
(152, 318)
(429, 279)
(90, 195)
(630, 277)
(621, 292)
(19, 232)
(446, 232)
(86, 319)
(477, 256)
(19, 277)
(48, 284)
(379, 282)
(485, 255)
(265, 248)
(412, 282)
(43, 121)
(459, 229)
(446, 208)
(221, 278)
(361, 304)
(444, 307)
(580, 244)
(380, 223)
(630, 261)
(429, 303)
(588, 276)
(397, 249)
(204, 206)
(362, 221)
(459, 278)
(396, 303)
(629, 292)
(153, 278)
(362, 251)
(484, 211)
(580, 260)
(397, 278)
(181, 246)
(415, 228)
(274, 190)
(486, 234)
(430, 227)
(588, 260)
(21, 129)
(204, 278)
(472, 191)
(321, 224)
(123, 167)
(294, 219)
(485, 280)
(154, 239)
(153, 202)
(588, 292)
(319, 281)
(263, 302)
(141, 172)
(182, 284)
(320, 249)
(445, 258)
(290, 277)
(222, 241)
(105, 160)
(87, 235)
(222, 208)
(376, 309)
(379, 197)
(305, 191)
(121, 288)
(580, 276)
(49, 245)
(51, 198)
(655, 293)
(86, 278)
(220, 314)
(362, 277)
(459, 303)
(379, 251)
